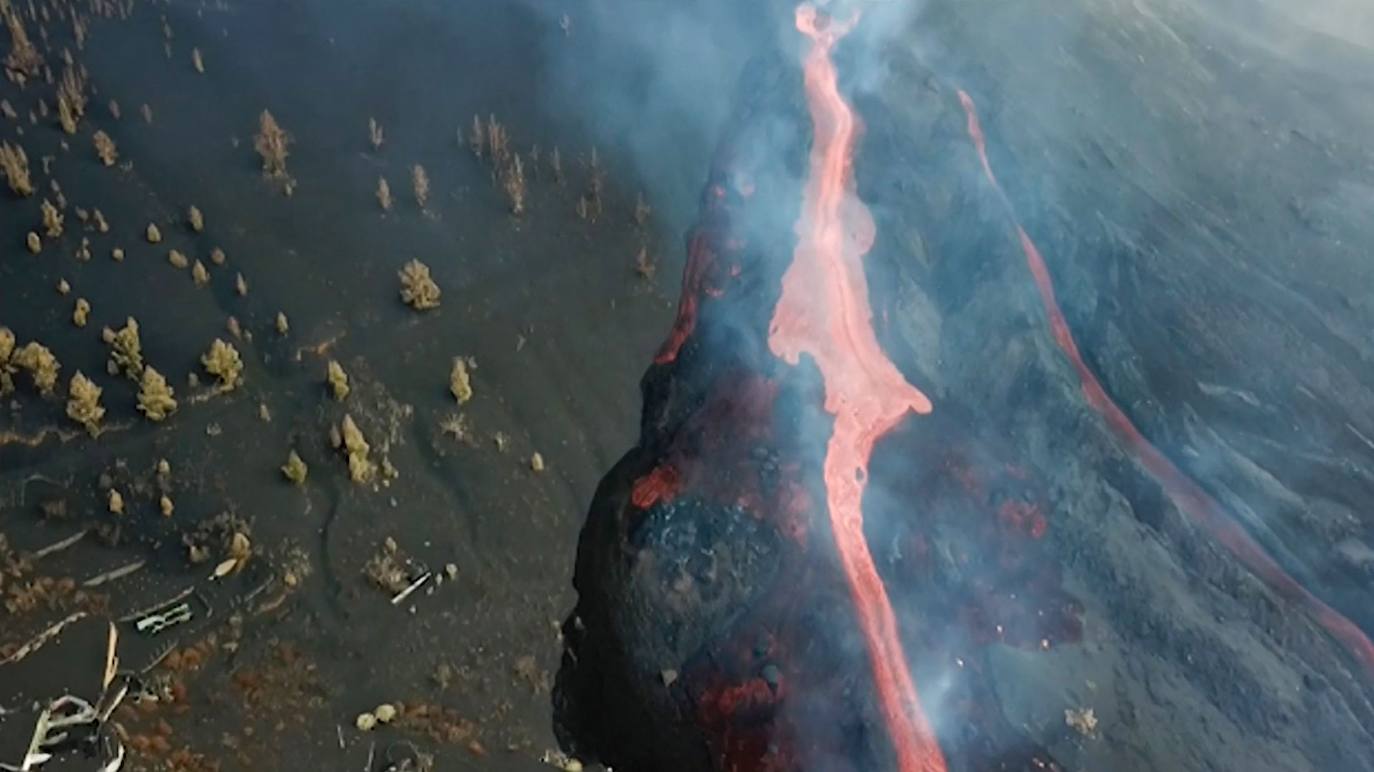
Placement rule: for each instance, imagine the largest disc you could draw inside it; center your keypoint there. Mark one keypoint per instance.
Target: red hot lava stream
(1199, 506)
(824, 312)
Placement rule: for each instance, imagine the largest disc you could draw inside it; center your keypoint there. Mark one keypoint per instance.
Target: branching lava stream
(824, 312)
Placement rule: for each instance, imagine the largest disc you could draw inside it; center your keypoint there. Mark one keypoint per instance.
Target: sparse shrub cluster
(491, 142)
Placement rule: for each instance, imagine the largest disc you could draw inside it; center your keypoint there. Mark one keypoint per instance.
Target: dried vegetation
(491, 142)
(105, 148)
(383, 194)
(418, 290)
(374, 133)
(419, 182)
(295, 469)
(156, 399)
(71, 98)
(361, 469)
(53, 220)
(16, 167)
(223, 362)
(271, 143)
(24, 61)
(460, 380)
(338, 380)
(126, 350)
(83, 403)
(40, 363)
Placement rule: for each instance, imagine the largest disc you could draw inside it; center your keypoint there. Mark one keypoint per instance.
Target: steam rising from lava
(824, 312)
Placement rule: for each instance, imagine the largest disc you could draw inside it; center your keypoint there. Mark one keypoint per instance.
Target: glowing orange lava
(824, 312)
(1190, 498)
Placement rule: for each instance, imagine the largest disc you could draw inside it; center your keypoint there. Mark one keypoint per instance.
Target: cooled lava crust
(714, 629)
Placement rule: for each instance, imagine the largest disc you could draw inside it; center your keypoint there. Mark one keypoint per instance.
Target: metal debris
(146, 610)
(158, 621)
(401, 596)
(46, 725)
(70, 723)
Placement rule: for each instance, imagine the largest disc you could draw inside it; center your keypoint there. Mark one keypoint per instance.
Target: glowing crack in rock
(824, 312)
(1189, 497)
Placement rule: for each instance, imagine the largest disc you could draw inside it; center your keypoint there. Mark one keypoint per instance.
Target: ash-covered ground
(1199, 182)
(553, 309)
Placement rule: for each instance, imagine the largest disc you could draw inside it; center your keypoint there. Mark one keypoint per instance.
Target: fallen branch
(40, 640)
(114, 573)
(58, 546)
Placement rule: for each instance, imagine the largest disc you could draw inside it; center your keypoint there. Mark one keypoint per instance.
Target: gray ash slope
(1199, 185)
(549, 306)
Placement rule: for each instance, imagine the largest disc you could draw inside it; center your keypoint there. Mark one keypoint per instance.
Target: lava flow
(824, 312)
(1190, 498)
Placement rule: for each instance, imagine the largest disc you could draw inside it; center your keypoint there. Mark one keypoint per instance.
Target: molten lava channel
(824, 312)
(1189, 497)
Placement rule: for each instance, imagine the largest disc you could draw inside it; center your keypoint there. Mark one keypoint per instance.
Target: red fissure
(700, 260)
